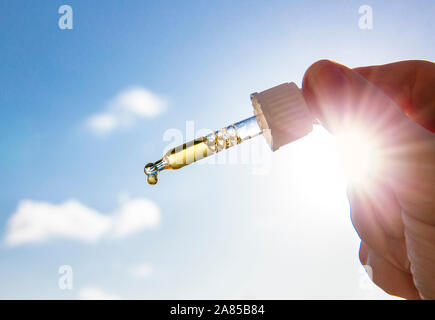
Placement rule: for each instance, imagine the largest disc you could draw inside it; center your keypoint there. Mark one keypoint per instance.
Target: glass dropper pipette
(281, 116)
(205, 146)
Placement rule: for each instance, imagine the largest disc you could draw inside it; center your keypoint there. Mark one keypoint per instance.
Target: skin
(393, 209)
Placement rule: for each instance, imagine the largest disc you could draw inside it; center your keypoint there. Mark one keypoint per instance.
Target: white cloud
(92, 293)
(123, 110)
(138, 101)
(36, 222)
(39, 221)
(141, 271)
(102, 122)
(131, 218)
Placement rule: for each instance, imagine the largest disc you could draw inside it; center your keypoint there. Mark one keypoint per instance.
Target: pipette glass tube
(202, 147)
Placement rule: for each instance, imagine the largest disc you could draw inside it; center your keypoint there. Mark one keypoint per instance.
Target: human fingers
(387, 276)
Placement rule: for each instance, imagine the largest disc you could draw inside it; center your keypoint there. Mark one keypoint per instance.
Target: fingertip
(320, 66)
(320, 72)
(320, 83)
(318, 69)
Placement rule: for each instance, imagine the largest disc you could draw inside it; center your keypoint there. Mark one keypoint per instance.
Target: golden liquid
(187, 153)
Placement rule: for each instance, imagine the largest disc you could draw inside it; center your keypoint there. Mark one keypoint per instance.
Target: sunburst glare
(357, 154)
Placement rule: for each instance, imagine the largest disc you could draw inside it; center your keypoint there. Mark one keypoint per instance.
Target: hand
(394, 214)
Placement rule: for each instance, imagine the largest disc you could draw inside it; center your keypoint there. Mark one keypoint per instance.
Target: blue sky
(223, 230)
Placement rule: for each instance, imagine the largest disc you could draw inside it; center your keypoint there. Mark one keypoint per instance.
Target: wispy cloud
(37, 222)
(135, 215)
(92, 293)
(124, 109)
(141, 270)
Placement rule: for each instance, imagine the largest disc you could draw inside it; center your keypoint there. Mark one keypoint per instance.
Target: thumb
(344, 100)
(341, 98)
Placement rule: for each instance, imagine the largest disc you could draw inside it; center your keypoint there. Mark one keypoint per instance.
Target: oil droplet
(151, 174)
(152, 179)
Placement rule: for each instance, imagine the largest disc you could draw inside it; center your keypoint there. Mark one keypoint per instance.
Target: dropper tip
(152, 169)
(151, 172)
(147, 167)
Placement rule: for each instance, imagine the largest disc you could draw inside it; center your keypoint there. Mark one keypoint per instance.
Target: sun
(358, 155)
